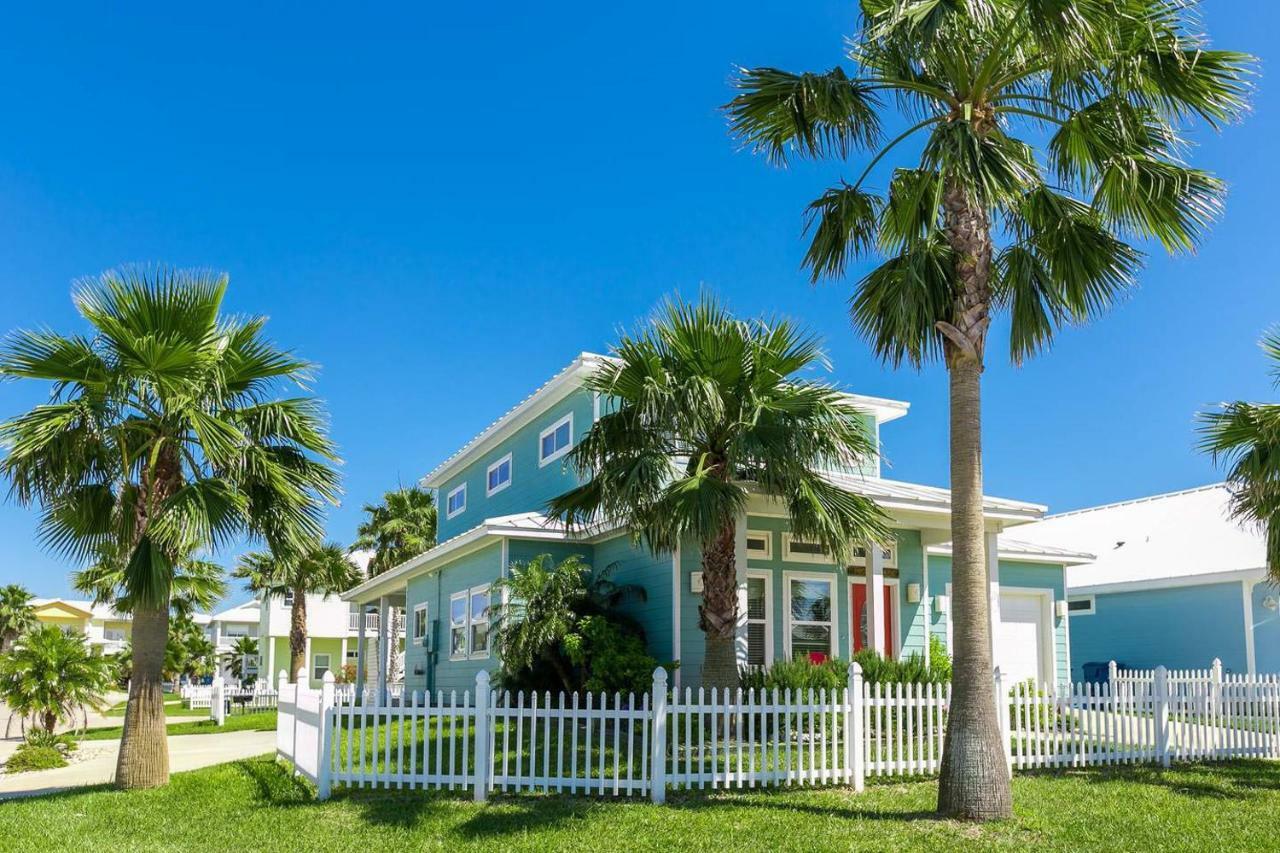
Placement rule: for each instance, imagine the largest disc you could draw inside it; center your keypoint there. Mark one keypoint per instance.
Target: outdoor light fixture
(941, 604)
(1060, 608)
(913, 593)
(695, 583)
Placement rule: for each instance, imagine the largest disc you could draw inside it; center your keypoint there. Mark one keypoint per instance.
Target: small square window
(499, 476)
(759, 544)
(456, 502)
(555, 440)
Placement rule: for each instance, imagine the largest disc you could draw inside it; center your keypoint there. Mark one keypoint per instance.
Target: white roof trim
(901, 495)
(1025, 552)
(1166, 583)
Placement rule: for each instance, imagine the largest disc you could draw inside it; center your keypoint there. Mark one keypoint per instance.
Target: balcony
(370, 622)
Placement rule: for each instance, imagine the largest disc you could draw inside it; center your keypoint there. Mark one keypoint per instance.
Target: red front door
(861, 638)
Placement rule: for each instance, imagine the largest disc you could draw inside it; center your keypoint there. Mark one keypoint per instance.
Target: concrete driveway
(94, 763)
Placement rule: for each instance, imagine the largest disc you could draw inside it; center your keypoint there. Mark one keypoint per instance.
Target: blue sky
(442, 204)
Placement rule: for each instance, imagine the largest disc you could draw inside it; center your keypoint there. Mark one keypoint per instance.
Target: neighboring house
(1177, 582)
(100, 624)
(796, 602)
(228, 626)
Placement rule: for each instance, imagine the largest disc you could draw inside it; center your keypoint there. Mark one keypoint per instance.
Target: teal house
(1176, 582)
(795, 600)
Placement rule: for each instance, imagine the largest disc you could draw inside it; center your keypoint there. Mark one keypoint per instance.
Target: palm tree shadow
(1236, 780)
(276, 784)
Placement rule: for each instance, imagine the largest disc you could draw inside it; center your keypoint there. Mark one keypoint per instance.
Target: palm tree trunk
(297, 634)
(974, 784)
(718, 613)
(143, 761)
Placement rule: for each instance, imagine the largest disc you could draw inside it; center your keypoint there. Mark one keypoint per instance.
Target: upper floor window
(456, 502)
(499, 476)
(288, 598)
(555, 440)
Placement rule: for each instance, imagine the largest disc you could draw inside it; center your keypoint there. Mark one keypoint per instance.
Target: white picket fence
(616, 745)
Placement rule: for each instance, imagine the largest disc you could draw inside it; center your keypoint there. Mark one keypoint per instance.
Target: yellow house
(99, 623)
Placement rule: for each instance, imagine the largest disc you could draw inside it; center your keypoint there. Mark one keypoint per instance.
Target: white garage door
(1019, 637)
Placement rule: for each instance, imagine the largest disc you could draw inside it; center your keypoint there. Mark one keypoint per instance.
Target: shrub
(939, 660)
(609, 659)
(833, 674)
(40, 737)
(28, 757)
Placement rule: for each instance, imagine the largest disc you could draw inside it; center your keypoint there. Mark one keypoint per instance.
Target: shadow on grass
(1234, 780)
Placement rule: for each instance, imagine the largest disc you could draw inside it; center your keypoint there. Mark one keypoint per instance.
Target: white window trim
(787, 555)
(767, 553)
(464, 595)
(831, 579)
(894, 613)
(547, 460)
(767, 577)
(418, 638)
(488, 622)
(449, 499)
(890, 557)
(315, 661)
(488, 492)
(1093, 605)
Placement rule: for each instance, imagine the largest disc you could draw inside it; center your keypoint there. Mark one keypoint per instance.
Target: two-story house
(100, 624)
(795, 600)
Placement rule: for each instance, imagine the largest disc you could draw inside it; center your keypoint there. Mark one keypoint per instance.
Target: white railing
(370, 622)
(615, 745)
(345, 693)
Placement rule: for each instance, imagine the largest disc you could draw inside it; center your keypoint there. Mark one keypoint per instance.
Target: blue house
(796, 601)
(1176, 582)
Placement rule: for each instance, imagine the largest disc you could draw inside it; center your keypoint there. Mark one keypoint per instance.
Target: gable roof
(568, 380)
(1170, 539)
(899, 494)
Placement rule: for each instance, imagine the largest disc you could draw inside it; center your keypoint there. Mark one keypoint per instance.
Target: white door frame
(894, 614)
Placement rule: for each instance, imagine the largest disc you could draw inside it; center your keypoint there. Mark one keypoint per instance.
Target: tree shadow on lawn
(1236, 780)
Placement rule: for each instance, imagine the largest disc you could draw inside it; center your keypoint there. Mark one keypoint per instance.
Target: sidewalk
(94, 763)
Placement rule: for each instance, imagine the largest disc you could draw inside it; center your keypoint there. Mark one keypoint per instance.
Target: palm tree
(401, 527)
(709, 409)
(1106, 86)
(189, 651)
(545, 603)
(1246, 437)
(242, 650)
(162, 437)
(196, 585)
(17, 616)
(317, 569)
(50, 675)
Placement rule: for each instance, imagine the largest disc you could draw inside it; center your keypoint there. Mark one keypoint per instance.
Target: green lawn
(172, 708)
(259, 805)
(258, 721)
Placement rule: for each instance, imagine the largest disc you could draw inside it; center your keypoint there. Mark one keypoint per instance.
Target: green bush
(610, 659)
(28, 757)
(833, 674)
(939, 660)
(40, 737)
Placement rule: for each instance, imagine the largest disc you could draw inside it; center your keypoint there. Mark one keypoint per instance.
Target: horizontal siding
(532, 485)
(634, 564)
(1266, 631)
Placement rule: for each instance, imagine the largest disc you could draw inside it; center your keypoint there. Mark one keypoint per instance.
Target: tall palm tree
(1246, 437)
(316, 569)
(708, 409)
(162, 437)
(196, 585)
(401, 527)
(17, 616)
(50, 675)
(1051, 127)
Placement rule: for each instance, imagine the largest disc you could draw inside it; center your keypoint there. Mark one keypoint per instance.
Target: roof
(1017, 549)
(95, 611)
(249, 611)
(1168, 539)
(569, 379)
(897, 494)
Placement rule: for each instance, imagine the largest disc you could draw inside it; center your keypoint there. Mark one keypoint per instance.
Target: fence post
(1112, 672)
(483, 759)
(658, 743)
(282, 680)
(217, 704)
(1002, 718)
(854, 748)
(324, 768)
(1215, 692)
(1160, 690)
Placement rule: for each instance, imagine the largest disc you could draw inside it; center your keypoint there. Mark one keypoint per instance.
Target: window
(353, 654)
(1081, 606)
(458, 625)
(889, 556)
(469, 623)
(760, 544)
(810, 617)
(456, 502)
(801, 551)
(554, 441)
(288, 598)
(419, 623)
(759, 638)
(499, 476)
(319, 666)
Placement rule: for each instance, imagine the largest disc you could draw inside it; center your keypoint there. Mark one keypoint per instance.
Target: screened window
(499, 476)
(757, 621)
(554, 441)
(810, 617)
(419, 623)
(458, 625)
(456, 502)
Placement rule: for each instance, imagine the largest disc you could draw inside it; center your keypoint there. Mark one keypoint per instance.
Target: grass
(172, 708)
(258, 805)
(258, 721)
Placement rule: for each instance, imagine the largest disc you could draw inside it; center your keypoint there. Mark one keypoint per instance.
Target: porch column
(360, 659)
(991, 547)
(876, 617)
(342, 657)
(306, 657)
(740, 570)
(384, 647)
(270, 657)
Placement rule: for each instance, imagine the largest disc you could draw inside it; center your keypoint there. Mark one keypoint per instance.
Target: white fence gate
(633, 745)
